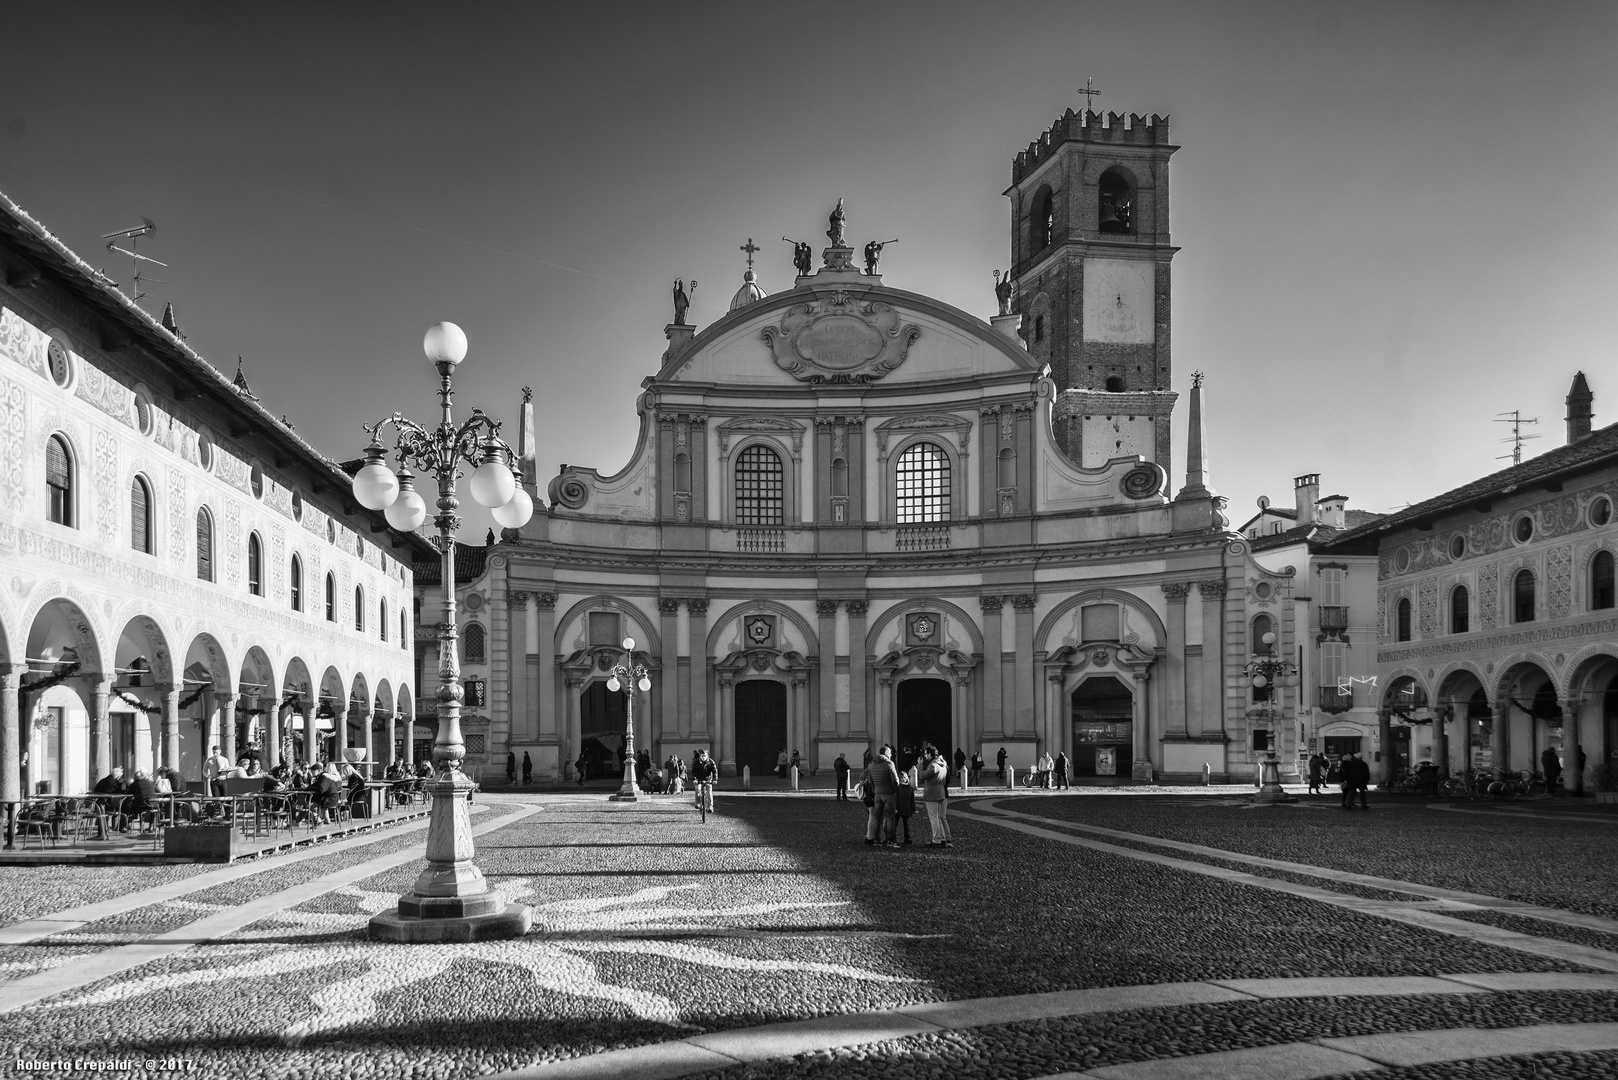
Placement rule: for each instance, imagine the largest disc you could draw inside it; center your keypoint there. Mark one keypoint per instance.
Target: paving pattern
(1121, 937)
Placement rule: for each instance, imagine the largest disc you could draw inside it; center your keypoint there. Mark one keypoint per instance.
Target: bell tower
(1090, 257)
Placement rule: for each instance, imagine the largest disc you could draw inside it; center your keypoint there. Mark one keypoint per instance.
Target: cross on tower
(749, 247)
(1089, 92)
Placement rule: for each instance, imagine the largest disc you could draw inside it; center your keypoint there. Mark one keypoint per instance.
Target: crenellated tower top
(1087, 126)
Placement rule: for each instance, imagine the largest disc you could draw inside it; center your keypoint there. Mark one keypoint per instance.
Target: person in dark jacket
(840, 767)
(511, 767)
(1552, 766)
(1000, 760)
(527, 769)
(883, 779)
(1356, 778)
(1061, 769)
(1317, 773)
(960, 761)
(329, 792)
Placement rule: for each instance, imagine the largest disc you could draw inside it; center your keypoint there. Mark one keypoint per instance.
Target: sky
(1395, 220)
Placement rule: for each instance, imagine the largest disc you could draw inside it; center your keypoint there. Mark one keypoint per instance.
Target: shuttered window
(204, 545)
(59, 480)
(297, 583)
(140, 516)
(255, 566)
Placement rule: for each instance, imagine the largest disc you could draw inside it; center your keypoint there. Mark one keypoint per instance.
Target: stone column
(727, 724)
(544, 652)
(1441, 739)
(697, 615)
(410, 740)
(961, 730)
(391, 754)
(1572, 739)
(668, 618)
(993, 697)
(884, 710)
(170, 696)
(574, 742)
(100, 729)
(1383, 769)
(275, 725)
(1140, 732)
(1174, 693)
(339, 723)
(227, 727)
(827, 611)
(519, 710)
(1212, 720)
(1023, 605)
(1057, 731)
(857, 659)
(369, 720)
(1500, 736)
(11, 792)
(797, 720)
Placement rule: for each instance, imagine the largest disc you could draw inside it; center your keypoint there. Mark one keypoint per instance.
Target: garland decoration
(149, 710)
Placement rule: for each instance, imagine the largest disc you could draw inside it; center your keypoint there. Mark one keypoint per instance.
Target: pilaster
(858, 661)
(1174, 667)
(542, 656)
(676, 689)
(1212, 720)
(994, 725)
(1023, 607)
(697, 611)
(826, 610)
(514, 659)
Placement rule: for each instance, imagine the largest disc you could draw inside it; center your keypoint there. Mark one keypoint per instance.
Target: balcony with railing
(761, 540)
(1336, 699)
(1333, 619)
(922, 538)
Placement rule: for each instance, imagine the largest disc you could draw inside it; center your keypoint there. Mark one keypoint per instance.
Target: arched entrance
(602, 714)
(761, 724)
(924, 715)
(1103, 728)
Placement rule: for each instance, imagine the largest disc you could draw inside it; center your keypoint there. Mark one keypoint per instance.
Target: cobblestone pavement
(664, 947)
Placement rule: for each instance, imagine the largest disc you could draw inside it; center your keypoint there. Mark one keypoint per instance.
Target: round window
(1523, 530)
(297, 507)
(205, 451)
(1601, 511)
(1401, 561)
(331, 531)
(143, 414)
(1457, 546)
(256, 478)
(56, 358)
(1262, 590)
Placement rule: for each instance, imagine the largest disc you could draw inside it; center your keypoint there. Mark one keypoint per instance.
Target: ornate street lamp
(450, 901)
(628, 676)
(1275, 672)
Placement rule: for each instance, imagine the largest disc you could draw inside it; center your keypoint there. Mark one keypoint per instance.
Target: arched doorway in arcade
(924, 716)
(1103, 728)
(602, 714)
(761, 724)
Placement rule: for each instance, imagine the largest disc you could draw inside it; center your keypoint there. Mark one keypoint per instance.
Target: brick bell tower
(1090, 257)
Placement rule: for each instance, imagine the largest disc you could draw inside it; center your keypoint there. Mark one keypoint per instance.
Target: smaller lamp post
(628, 676)
(1275, 672)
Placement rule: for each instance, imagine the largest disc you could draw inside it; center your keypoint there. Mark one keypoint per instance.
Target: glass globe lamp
(375, 486)
(613, 684)
(409, 509)
(492, 482)
(444, 343)
(645, 684)
(629, 644)
(1260, 681)
(515, 514)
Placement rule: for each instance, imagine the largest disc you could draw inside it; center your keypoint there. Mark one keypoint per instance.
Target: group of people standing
(527, 768)
(889, 794)
(1354, 774)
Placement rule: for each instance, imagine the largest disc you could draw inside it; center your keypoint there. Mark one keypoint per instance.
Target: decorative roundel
(569, 491)
(1263, 590)
(56, 359)
(1143, 481)
(1401, 561)
(473, 601)
(759, 631)
(1601, 511)
(1457, 546)
(1523, 529)
(331, 531)
(923, 628)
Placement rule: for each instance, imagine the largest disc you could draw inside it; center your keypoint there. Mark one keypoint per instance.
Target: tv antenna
(133, 235)
(1516, 438)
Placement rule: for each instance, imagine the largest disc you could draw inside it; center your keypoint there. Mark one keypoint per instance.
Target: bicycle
(1463, 787)
(704, 789)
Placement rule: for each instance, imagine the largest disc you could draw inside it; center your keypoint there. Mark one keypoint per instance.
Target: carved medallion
(758, 630)
(923, 628)
(843, 342)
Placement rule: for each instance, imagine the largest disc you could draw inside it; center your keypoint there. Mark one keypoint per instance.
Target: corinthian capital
(1176, 591)
(1212, 590)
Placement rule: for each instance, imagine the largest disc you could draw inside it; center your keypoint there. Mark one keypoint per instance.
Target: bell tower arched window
(760, 487)
(922, 485)
(1041, 220)
(1115, 203)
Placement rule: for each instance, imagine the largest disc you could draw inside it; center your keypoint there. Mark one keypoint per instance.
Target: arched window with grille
(297, 583)
(1402, 620)
(404, 631)
(59, 481)
(1601, 581)
(140, 516)
(255, 565)
(1460, 610)
(1522, 596)
(472, 640)
(922, 485)
(331, 598)
(359, 609)
(760, 487)
(204, 545)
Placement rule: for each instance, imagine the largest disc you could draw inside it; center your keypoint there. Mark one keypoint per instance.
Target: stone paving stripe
(1533, 911)
(88, 969)
(1288, 1061)
(982, 1012)
(21, 933)
(1538, 980)
(719, 1050)
(1355, 986)
(1600, 959)
(817, 1033)
(1526, 815)
(1462, 1044)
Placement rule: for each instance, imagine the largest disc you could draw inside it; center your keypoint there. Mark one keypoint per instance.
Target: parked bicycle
(1510, 784)
(1462, 786)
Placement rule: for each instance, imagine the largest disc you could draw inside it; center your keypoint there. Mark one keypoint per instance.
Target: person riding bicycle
(704, 770)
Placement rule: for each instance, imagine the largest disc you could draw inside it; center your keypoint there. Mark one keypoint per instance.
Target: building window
(404, 631)
(1522, 596)
(1331, 585)
(382, 618)
(472, 639)
(760, 487)
(255, 565)
(921, 484)
(1401, 630)
(1523, 529)
(839, 478)
(1039, 328)
(140, 516)
(1601, 511)
(1115, 203)
(59, 480)
(331, 598)
(56, 360)
(1041, 220)
(297, 583)
(1263, 625)
(359, 609)
(682, 474)
(1601, 580)
(1275, 527)
(1460, 610)
(204, 545)
(1115, 384)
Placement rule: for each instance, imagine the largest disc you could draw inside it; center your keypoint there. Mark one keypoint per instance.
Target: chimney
(1332, 511)
(1305, 490)
(1578, 409)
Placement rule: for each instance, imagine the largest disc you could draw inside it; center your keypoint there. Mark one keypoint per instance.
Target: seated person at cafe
(392, 772)
(424, 769)
(112, 783)
(353, 780)
(143, 796)
(329, 792)
(276, 779)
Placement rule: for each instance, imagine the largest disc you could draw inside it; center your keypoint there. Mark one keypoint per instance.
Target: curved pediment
(845, 332)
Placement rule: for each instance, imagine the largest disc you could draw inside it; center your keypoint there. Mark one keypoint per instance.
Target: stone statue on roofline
(682, 302)
(873, 252)
(1002, 291)
(802, 256)
(838, 220)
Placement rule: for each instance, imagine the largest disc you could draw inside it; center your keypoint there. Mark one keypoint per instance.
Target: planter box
(202, 843)
(1607, 797)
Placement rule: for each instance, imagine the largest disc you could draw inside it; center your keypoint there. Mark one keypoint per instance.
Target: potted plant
(1603, 781)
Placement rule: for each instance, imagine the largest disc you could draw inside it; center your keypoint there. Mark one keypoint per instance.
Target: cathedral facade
(856, 515)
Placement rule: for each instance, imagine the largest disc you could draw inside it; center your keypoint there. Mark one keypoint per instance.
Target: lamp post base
(630, 791)
(436, 919)
(1269, 788)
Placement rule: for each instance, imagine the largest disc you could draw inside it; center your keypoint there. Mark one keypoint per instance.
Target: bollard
(1011, 777)
(963, 780)
(1207, 774)
(794, 778)
(747, 777)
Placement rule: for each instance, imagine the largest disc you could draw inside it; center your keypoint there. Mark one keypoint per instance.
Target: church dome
(749, 293)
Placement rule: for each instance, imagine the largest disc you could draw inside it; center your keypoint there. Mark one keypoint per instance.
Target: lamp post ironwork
(629, 675)
(1275, 672)
(451, 900)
